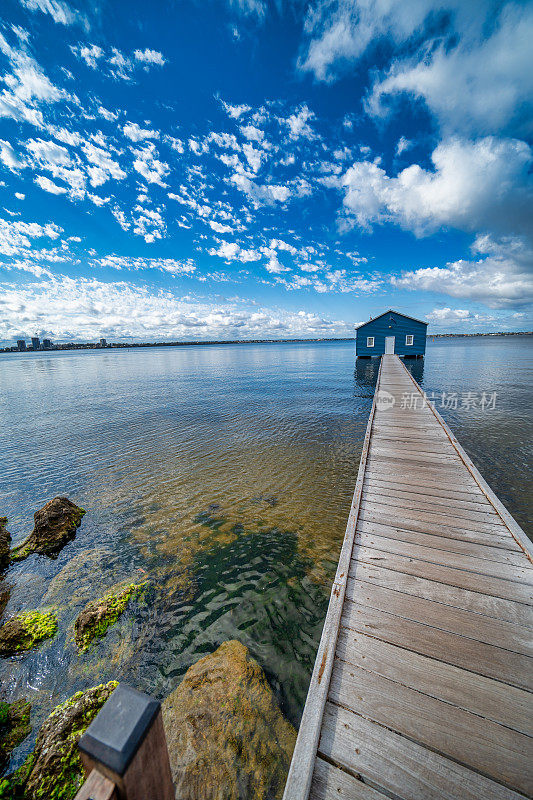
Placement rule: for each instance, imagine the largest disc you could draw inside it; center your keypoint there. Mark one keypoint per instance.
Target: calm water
(224, 475)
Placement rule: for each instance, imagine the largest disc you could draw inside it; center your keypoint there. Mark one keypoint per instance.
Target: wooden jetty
(423, 678)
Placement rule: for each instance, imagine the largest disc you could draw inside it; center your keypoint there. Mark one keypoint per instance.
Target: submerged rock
(54, 769)
(55, 525)
(26, 630)
(14, 727)
(93, 622)
(227, 737)
(5, 540)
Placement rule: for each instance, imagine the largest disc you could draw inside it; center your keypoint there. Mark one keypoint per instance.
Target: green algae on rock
(53, 771)
(98, 615)
(14, 727)
(55, 525)
(26, 630)
(226, 735)
(5, 540)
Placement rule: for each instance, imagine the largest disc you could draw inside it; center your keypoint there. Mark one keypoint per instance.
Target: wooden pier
(422, 683)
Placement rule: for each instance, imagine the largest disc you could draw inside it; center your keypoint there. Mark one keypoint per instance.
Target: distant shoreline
(125, 345)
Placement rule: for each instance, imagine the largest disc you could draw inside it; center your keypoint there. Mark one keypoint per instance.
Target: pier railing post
(124, 750)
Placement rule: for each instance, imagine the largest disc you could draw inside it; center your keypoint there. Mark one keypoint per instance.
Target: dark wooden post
(126, 745)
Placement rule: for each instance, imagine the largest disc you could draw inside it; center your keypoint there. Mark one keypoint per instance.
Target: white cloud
(148, 165)
(16, 236)
(254, 157)
(59, 11)
(235, 111)
(402, 145)
(480, 85)
(27, 87)
(110, 116)
(85, 309)
(298, 123)
(149, 57)
(90, 53)
(20, 196)
(48, 185)
(132, 263)
(501, 276)
(260, 194)
(231, 251)
(252, 133)
(475, 185)
(219, 227)
(137, 134)
(104, 166)
(8, 157)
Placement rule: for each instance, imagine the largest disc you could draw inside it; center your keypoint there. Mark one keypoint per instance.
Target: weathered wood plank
(509, 590)
(493, 750)
(485, 659)
(478, 545)
(482, 604)
(506, 635)
(483, 566)
(487, 698)
(412, 501)
(451, 520)
(401, 767)
(437, 497)
(332, 783)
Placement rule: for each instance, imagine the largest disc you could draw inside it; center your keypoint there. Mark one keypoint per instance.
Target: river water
(223, 475)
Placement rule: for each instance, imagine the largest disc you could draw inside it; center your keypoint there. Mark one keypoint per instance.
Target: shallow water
(224, 475)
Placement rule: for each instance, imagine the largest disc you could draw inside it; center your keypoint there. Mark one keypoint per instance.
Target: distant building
(21, 344)
(391, 332)
(35, 342)
(103, 343)
(47, 344)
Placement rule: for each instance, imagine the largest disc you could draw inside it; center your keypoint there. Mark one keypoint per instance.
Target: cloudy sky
(196, 169)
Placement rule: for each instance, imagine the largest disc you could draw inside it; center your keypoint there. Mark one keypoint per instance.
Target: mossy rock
(98, 615)
(227, 737)
(55, 525)
(26, 630)
(5, 541)
(14, 727)
(53, 771)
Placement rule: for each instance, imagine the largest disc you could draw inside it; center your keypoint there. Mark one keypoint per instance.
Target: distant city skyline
(259, 169)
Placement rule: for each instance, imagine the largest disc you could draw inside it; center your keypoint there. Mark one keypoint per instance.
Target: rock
(26, 630)
(5, 539)
(227, 737)
(54, 768)
(55, 525)
(14, 727)
(93, 622)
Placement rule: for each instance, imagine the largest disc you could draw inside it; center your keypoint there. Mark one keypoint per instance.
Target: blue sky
(252, 169)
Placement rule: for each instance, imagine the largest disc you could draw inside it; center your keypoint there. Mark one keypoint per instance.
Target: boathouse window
(370, 341)
(409, 339)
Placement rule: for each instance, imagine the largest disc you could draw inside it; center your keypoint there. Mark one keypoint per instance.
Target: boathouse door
(389, 345)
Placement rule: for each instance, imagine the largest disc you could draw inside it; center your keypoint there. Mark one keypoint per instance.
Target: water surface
(223, 475)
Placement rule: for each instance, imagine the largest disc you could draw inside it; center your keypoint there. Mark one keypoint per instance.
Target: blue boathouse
(391, 332)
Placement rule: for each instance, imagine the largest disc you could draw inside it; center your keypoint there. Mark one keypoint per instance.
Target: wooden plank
(493, 750)
(482, 604)
(437, 497)
(451, 520)
(332, 783)
(406, 454)
(399, 766)
(508, 636)
(509, 590)
(415, 479)
(414, 501)
(486, 659)
(487, 698)
(479, 545)
(432, 528)
(482, 566)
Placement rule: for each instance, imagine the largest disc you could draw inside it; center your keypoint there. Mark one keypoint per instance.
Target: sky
(232, 169)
